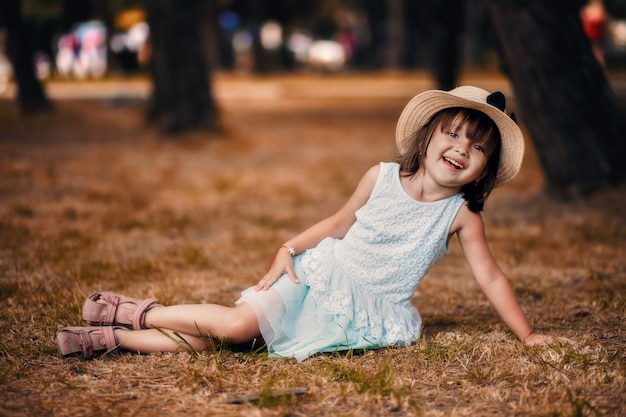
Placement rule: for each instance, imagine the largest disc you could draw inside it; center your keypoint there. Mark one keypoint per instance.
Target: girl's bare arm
(488, 274)
(335, 226)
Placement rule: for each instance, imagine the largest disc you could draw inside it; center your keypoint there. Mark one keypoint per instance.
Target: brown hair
(479, 127)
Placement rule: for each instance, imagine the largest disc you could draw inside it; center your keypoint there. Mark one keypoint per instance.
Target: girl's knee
(244, 325)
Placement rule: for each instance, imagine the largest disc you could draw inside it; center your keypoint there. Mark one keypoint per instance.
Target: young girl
(347, 282)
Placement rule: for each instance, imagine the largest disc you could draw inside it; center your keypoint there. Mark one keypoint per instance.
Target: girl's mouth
(455, 164)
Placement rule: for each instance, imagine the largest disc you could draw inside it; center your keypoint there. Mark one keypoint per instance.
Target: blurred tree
(376, 11)
(30, 94)
(441, 25)
(182, 92)
(396, 34)
(616, 8)
(569, 108)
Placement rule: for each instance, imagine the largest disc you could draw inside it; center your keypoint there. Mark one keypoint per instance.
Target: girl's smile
(453, 159)
(455, 164)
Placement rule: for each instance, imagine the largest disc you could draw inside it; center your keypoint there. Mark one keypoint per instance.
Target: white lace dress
(355, 292)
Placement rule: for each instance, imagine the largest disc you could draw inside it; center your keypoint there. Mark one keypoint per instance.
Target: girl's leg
(234, 324)
(153, 340)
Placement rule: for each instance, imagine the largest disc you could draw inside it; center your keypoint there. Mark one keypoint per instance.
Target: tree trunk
(376, 12)
(396, 35)
(441, 25)
(257, 15)
(564, 97)
(30, 95)
(181, 99)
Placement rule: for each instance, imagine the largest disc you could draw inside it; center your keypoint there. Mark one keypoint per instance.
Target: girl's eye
(479, 148)
(453, 135)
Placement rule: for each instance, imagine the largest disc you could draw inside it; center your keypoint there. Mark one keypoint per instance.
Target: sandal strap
(108, 334)
(86, 344)
(140, 312)
(114, 300)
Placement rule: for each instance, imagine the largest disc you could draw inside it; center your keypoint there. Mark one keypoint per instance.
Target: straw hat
(425, 105)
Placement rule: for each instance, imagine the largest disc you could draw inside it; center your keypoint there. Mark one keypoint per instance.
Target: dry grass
(90, 199)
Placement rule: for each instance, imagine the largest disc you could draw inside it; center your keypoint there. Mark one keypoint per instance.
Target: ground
(92, 198)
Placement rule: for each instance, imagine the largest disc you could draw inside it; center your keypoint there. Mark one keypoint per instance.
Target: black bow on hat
(498, 100)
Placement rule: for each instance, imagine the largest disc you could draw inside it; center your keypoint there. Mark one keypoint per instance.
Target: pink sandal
(115, 310)
(86, 341)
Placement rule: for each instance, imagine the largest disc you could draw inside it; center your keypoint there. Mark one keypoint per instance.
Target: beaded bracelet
(291, 250)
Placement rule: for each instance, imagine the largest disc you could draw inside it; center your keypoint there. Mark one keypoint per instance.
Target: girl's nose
(462, 147)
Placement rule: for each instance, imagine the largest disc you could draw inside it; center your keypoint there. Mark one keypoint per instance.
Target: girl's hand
(281, 263)
(537, 339)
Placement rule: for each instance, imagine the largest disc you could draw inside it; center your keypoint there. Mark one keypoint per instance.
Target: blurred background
(95, 39)
(565, 59)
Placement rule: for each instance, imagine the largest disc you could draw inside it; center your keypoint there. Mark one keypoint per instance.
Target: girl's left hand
(281, 263)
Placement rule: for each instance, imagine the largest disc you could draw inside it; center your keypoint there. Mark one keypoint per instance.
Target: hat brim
(425, 105)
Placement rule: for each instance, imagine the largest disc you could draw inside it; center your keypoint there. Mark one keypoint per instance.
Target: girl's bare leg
(153, 340)
(234, 324)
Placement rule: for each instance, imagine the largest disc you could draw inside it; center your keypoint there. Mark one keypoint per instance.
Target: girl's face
(452, 159)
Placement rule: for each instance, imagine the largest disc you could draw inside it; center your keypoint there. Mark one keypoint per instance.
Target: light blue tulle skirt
(294, 326)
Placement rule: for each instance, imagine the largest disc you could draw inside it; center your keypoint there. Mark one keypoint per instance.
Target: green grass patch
(8, 290)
